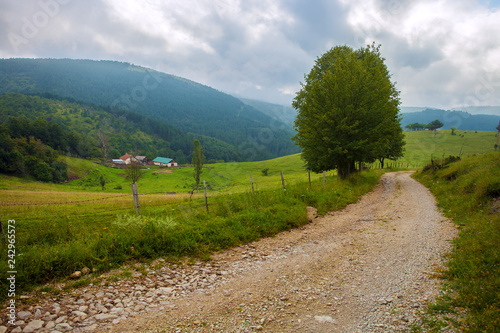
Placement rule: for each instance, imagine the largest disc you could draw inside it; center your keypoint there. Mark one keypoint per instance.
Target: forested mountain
(459, 119)
(188, 106)
(81, 130)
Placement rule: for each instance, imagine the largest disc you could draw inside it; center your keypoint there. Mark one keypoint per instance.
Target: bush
(60, 172)
(440, 164)
(39, 169)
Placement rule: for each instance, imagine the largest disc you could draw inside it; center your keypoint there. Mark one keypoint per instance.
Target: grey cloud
(317, 24)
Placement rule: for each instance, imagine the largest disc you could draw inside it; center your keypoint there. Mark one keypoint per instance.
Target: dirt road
(367, 268)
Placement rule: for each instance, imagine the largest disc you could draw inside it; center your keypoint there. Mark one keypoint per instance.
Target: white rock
(83, 308)
(61, 319)
(23, 314)
(33, 326)
(64, 327)
(79, 313)
(104, 316)
(324, 319)
(75, 275)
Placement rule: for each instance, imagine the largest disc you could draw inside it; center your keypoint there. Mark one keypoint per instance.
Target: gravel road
(367, 268)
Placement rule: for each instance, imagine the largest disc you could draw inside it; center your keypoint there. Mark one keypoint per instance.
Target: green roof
(162, 160)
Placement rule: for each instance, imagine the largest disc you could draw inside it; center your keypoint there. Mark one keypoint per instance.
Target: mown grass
(61, 232)
(468, 192)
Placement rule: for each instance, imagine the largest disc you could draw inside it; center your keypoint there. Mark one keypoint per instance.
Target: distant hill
(410, 109)
(491, 110)
(283, 113)
(459, 119)
(187, 105)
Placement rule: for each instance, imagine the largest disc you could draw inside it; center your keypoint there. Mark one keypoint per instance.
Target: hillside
(459, 119)
(187, 105)
(125, 131)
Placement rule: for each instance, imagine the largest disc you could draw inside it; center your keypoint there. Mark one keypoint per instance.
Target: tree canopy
(434, 125)
(348, 111)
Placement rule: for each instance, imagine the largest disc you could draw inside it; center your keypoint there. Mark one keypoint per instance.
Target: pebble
(33, 326)
(93, 307)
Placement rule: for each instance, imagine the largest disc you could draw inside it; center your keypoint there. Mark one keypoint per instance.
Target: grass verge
(50, 246)
(468, 192)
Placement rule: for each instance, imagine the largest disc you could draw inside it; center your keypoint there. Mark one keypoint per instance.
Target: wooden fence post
(283, 181)
(135, 194)
(324, 178)
(251, 181)
(206, 201)
(1, 231)
(309, 172)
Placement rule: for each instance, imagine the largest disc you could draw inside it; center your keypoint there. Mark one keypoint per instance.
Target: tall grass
(52, 245)
(468, 191)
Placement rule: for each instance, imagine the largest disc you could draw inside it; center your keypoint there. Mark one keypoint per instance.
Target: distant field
(421, 145)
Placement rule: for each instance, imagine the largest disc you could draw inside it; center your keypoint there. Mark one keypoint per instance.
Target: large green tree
(347, 111)
(197, 161)
(434, 125)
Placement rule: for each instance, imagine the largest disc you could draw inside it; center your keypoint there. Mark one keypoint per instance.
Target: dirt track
(367, 268)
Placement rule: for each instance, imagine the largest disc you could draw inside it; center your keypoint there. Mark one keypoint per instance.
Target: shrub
(60, 172)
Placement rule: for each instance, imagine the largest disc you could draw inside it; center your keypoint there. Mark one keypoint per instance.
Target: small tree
(133, 172)
(103, 182)
(434, 125)
(453, 129)
(197, 161)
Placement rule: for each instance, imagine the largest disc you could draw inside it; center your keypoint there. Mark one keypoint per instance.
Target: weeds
(473, 271)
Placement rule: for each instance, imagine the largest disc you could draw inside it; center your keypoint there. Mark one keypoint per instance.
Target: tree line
(432, 126)
(22, 151)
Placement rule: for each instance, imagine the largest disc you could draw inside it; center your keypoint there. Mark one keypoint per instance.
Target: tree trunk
(345, 169)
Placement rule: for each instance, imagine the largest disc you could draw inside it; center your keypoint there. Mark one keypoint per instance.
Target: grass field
(63, 227)
(421, 145)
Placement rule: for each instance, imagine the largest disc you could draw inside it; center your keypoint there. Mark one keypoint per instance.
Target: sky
(440, 53)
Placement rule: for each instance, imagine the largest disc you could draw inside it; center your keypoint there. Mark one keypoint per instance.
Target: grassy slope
(421, 145)
(468, 192)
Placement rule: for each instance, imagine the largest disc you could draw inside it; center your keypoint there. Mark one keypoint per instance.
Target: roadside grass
(468, 192)
(58, 232)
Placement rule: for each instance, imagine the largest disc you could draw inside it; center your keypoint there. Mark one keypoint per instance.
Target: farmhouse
(143, 160)
(127, 159)
(163, 161)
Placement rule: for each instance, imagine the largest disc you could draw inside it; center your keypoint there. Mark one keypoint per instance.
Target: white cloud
(440, 52)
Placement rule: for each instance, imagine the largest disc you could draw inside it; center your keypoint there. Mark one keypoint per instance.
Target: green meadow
(61, 228)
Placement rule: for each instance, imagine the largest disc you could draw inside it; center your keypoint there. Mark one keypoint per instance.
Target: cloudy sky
(441, 53)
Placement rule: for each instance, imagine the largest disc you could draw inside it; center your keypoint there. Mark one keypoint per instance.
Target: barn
(163, 161)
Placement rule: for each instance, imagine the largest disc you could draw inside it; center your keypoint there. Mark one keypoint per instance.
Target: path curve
(367, 268)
